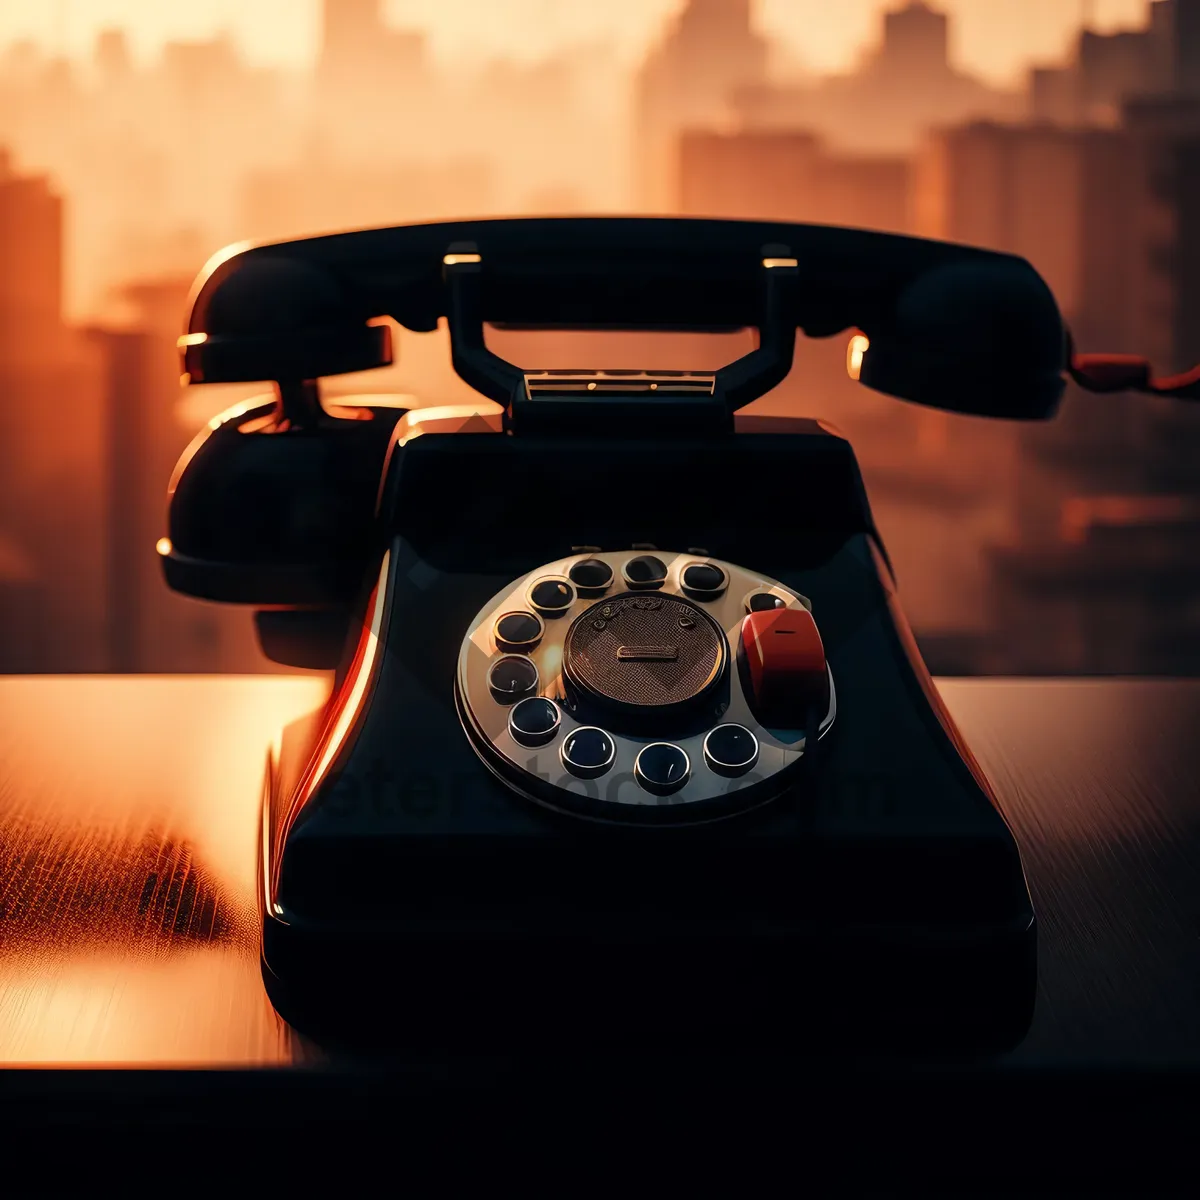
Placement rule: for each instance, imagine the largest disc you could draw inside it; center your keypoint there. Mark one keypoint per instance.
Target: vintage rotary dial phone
(628, 733)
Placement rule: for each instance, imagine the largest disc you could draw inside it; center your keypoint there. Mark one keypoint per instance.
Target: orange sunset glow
(994, 37)
(139, 138)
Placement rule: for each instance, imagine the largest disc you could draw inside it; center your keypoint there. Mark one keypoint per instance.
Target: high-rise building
(31, 249)
(907, 82)
(689, 82)
(91, 432)
(1108, 69)
(367, 74)
(916, 42)
(52, 488)
(356, 42)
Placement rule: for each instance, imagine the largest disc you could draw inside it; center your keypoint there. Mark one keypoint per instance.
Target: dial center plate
(646, 651)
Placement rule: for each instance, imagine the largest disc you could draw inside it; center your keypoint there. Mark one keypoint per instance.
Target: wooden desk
(128, 928)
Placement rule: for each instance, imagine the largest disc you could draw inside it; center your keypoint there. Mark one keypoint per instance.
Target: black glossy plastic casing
(882, 897)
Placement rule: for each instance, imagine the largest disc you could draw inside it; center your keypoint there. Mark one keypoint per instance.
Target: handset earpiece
(266, 316)
(981, 336)
(274, 505)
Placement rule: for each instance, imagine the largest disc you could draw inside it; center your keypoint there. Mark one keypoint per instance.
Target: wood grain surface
(128, 929)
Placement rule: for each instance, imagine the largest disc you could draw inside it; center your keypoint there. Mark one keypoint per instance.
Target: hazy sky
(993, 37)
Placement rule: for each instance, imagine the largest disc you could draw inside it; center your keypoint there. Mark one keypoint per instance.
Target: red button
(786, 662)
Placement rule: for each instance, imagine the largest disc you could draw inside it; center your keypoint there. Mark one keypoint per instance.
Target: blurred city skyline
(167, 141)
(996, 39)
(1065, 548)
